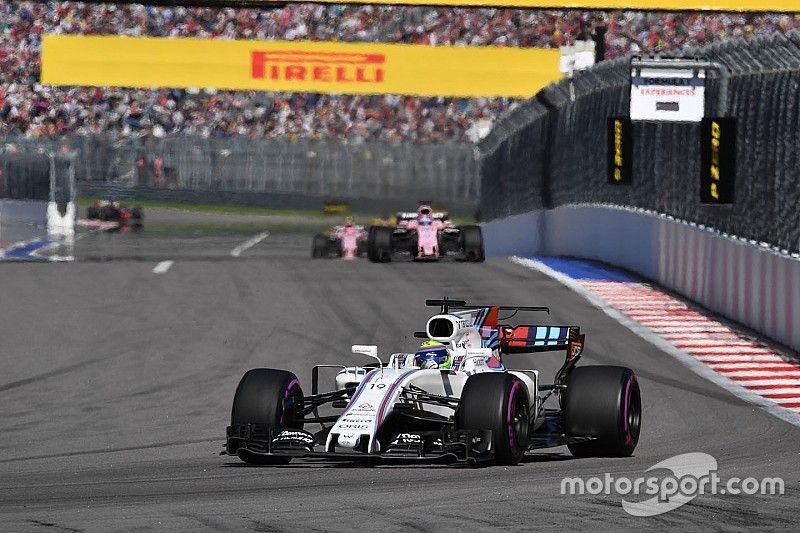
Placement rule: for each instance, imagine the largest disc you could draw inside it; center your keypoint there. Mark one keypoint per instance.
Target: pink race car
(426, 236)
(347, 241)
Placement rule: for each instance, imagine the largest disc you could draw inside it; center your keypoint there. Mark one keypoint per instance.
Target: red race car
(113, 211)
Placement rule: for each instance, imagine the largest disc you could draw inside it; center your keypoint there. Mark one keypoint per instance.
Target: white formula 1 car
(476, 410)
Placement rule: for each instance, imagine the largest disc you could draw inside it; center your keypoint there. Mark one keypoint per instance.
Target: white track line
(249, 243)
(713, 343)
(777, 374)
(162, 267)
(738, 388)
(773, 358)
(786, 390)
(749, 365)
(688, 329)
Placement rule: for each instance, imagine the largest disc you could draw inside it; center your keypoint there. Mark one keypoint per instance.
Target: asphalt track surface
(116, 385)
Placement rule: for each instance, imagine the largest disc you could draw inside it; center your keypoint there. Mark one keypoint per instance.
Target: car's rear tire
(413, 246)
(472, 243)
(370, 246)
(603, 402)
(92, 213)
(270, 397)
(361, 248)
(380, 244)
(137, 216)
(497, 401)
(319, 248)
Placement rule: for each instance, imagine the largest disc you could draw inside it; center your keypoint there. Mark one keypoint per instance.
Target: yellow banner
(777, 6)
(291, 66)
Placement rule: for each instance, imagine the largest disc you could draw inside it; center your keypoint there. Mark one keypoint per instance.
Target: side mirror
(370, 351)
(366, 349)
(478, 353)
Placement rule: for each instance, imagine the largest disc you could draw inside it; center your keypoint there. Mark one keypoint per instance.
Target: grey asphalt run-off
(116, 386)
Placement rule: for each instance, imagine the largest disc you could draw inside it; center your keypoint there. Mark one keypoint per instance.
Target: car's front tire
(603, 402)
(497, 401)
(270, 397)
(380, 244)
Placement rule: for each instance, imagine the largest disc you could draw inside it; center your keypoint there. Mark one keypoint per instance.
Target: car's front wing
(446, 446)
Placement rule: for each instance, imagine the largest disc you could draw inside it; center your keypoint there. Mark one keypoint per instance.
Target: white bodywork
(380, 388)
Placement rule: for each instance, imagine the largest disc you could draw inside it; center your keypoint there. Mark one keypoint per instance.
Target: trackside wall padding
(747, 283)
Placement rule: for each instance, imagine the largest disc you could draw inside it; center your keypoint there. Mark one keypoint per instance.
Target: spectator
(34, 110)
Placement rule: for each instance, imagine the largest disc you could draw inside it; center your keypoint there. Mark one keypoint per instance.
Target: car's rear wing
(515, 339)
(533, 339)
(448, 305)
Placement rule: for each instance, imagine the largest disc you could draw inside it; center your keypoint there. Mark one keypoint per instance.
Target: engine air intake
(440, 328)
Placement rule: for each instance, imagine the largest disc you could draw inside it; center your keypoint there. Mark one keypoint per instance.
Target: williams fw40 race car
(425, 236)
(453, 400)
(348, 241)
(113, 211)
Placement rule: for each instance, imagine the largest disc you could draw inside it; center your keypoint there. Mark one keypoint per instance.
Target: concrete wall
(743, 281)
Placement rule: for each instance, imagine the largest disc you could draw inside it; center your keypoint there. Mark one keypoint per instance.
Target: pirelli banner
(292, 66)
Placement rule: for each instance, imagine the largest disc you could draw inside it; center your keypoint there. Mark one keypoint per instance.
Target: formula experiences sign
(324, 67)
(667, 95)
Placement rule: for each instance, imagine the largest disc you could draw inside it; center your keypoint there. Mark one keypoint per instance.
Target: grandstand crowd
(28, 108)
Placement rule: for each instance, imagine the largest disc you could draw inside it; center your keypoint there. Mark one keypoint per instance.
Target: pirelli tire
(604, 403)
(379, 244)
(266, 396)
(319, 247)
(137, 216)
(370, 239)
(361, 248)
(471, 244)
(92, 213)
(497, 401)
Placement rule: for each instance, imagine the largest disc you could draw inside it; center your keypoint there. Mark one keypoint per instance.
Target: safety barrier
(545, 186)
(266, 171)
(746, 282)
(36, 193)
(553, 150)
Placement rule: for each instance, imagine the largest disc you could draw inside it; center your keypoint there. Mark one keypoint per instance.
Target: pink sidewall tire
(497, 401)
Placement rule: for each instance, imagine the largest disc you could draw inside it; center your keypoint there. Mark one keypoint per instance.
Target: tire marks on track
(51, 374)
(155, 445)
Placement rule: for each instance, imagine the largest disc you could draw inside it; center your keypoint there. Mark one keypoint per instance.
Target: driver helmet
(433, 354)
(424, 215)
(348, 222)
